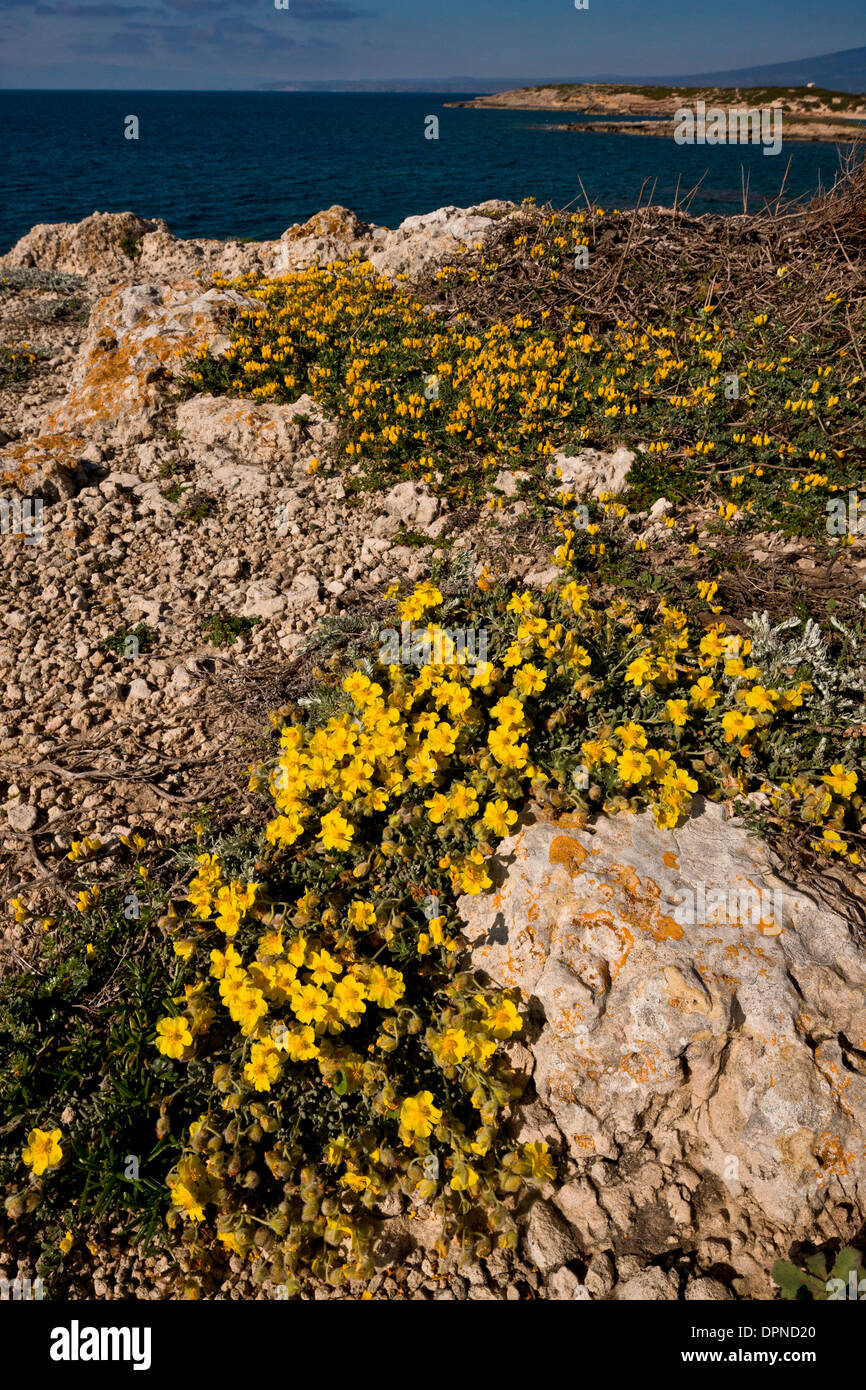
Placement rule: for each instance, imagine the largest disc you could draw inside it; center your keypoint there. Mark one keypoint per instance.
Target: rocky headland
(702, 1083)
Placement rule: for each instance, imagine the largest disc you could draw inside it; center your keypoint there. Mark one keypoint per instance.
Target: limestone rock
(21, 817)
(407, 505)
(137, 339)
(650, 1285)
(548, 1241)
(284, 437)
(104, 242)
(508, 480)
(428, 239)
(564, 1285)
(306, 589)
(336, 222)
(707, 1290)
(702, 1045)
(591, 471)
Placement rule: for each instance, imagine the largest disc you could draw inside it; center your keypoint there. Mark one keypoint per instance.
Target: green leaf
(847, 1260)
(817, 1264)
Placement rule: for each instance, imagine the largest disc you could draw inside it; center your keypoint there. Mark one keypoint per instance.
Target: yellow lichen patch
(666, 929)
(770, 927)
(626, 877)
(832, 1156)
(47, 454)
(639, 1066)
(568, 852)
(565, 1021)
(796, 1151)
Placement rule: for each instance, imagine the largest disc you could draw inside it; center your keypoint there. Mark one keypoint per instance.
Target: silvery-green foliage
(792, 644)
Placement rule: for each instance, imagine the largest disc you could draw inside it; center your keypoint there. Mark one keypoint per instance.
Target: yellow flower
(361, 915)
(83, 849)
(385, 986)
(462, 801)
(841, 780)
(678, 712)
(350, 999)
(336, 832)
(88, 898)
(519, 603)
(133, 841)
(263, 1068)
(309, 1004)
(65, 1243)
(631, 735)
(529, 680)
(173, 1036)
(537, 1157)
(575, 595)
(641, 670)
(323, 967)
(418, 1117)
(437, 807)
(300, 1044)
(43, 1150)
(449, 1048)
(248, 1007)
(632, 766)
(502, 1019)
(702, 693)
(472, 875)
(498, 818)
(760, 699)
(736, 725)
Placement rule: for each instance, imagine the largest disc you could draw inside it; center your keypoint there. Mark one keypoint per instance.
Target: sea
(250, 164)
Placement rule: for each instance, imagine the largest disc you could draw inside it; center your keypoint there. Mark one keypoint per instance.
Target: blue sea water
(247, 164)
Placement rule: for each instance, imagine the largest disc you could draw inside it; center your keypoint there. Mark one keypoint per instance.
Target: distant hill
(839, 72)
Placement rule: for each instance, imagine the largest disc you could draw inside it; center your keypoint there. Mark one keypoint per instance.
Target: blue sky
(211, 44)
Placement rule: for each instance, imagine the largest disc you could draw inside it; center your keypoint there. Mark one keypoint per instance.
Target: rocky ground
(168, 514)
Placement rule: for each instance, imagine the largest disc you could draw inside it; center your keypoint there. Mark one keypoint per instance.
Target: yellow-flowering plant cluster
(349, 1061)
(352, 1057)
(714, 393)
(17, 360)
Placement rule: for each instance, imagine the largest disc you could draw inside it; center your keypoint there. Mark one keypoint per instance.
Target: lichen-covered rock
(112, 248)
(702, 1050)
(408, 250)
(123, 378)
(137, 340)
(336, 222)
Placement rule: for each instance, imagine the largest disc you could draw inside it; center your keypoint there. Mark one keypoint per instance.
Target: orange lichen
(568, 852)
